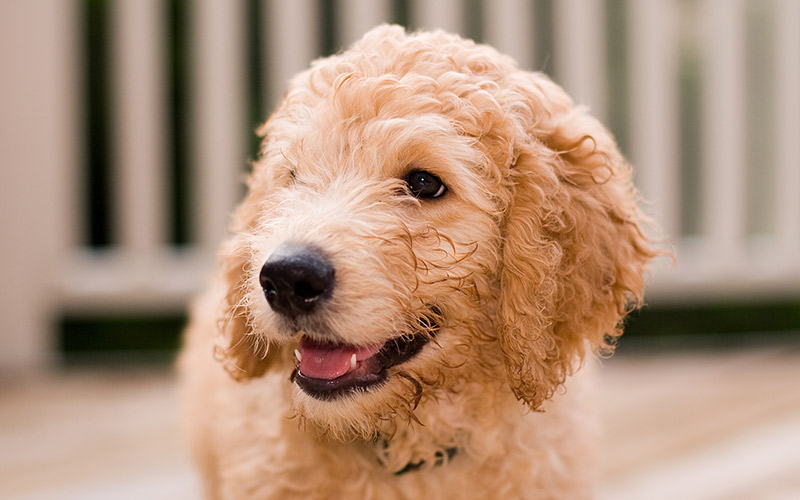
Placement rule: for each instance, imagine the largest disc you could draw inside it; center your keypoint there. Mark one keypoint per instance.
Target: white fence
(707, 101)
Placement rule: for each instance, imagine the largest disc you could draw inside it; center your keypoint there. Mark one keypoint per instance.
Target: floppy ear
(573, 255)
(243, 353)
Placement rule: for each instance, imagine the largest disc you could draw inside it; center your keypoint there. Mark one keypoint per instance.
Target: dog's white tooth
(353, 362)
(298, 355)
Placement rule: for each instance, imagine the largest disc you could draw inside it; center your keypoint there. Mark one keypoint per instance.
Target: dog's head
(424, 213)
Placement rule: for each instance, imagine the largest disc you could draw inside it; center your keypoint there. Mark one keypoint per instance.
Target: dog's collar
(449, 453)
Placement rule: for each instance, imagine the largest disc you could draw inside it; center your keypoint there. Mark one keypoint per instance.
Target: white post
(219, 127)
(37, 157)
(580, 52)
(139, 154)
(447, 15)
(508, 26)
(787, 127)
(653, 104)
(724, 141)
(292, 42)
(356, 17)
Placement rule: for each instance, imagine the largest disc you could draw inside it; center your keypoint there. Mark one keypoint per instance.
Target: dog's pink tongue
(330, 361)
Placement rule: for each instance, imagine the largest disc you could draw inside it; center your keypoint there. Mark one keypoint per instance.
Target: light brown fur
(531, 259)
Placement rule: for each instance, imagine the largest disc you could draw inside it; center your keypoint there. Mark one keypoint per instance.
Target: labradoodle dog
(433, 242)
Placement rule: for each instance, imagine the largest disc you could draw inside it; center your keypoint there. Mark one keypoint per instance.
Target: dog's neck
(442, 428)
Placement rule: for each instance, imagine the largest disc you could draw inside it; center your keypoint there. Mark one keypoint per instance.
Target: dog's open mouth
(326, 371)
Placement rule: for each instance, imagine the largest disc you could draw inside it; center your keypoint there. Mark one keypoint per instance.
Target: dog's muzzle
(296, 280)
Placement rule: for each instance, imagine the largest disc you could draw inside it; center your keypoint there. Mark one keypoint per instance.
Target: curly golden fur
(527, 264)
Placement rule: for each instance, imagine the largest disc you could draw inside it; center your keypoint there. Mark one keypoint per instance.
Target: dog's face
(425, 215)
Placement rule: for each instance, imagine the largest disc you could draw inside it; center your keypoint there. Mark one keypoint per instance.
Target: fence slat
(219, 135)
(508, 26)
(654, 120)
(38, 146)
(580, 54)
(139, 159)
(787, 112)
(292, 42)
(356, 17)
(724, 151)
(446, 15)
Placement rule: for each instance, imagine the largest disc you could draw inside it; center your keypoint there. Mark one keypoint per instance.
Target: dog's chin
(365, 413)
(345, 389)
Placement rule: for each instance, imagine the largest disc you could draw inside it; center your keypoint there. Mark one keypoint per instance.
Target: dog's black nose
(295, 279)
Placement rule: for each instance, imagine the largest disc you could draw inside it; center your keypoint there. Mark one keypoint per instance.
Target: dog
(432, 244)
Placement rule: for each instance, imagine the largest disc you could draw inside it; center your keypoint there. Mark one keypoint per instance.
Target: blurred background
(128, 125)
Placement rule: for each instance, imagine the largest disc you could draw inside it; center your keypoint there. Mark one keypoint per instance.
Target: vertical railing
(787, 128)
(653, 56)
(292, 41)
(508, 26)
(725, 257)
(358, 16)
(218, 143)
(143, 269)
(724, 152)
(139, 151)
(447, 15)
(39, 173)
(579, 52)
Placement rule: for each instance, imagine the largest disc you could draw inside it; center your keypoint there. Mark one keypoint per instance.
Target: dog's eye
(424, 184)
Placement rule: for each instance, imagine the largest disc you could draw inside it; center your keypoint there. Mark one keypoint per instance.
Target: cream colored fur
(531, 260)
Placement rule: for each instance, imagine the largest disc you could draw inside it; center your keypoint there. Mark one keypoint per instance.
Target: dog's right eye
(424, 184)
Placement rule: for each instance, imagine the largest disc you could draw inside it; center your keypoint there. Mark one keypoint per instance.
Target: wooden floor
(703, 425)
(679, 425)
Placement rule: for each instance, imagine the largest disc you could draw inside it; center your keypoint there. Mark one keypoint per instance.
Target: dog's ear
(573, 255)
(243, 353)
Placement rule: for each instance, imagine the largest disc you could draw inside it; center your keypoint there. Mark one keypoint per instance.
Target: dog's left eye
(424, 184)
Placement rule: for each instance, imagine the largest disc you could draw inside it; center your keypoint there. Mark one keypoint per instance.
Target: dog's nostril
(295, 279)
(269, 288)
(308, 291)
